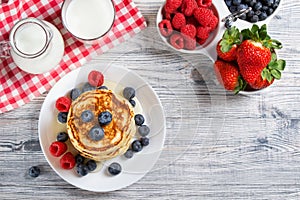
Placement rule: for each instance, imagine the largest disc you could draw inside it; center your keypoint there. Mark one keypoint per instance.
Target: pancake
(117, 134)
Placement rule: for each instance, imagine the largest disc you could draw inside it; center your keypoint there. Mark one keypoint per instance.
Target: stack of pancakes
(118, 133)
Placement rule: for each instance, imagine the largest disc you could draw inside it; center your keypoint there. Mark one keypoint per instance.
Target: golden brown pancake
(118, 133)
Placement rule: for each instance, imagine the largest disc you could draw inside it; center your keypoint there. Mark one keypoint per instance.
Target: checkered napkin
(18, 87)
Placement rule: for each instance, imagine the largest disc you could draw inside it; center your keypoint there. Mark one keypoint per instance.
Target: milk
(30, 38)
(89, 19)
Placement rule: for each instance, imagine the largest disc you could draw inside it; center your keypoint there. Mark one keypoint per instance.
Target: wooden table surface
(218, 146)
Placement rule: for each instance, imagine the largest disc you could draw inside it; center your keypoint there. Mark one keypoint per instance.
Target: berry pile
(247, 60)
(187, 23)
(261, 9)
(143, 130)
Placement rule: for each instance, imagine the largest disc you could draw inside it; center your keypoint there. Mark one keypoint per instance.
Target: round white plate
(43, 64)
(132, 169)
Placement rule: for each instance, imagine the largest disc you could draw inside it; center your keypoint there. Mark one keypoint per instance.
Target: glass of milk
(88, 20)
(29, 38)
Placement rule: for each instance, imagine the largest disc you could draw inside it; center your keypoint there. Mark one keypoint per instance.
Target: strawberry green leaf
(269, 77)
(264, 74)
(254, 28)
(273, 65)
(276, 74)
(247, 34)
(281, 64)
(241, 85)
(273, 57)
(230, 37)
(263, 35)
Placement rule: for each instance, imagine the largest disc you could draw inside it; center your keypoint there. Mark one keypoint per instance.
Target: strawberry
(252, 58)
(261, 83)
(269, 73)
(227, 46)
(228, 75)
(67, 161)
(58, 148)
(254, 53)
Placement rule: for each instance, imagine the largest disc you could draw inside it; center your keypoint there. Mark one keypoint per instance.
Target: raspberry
(165, 27)
(203, 16)
(96, 78)
(178, 21)
(177, 41)
(166, 15)
(192, 20)
(172, 5)
(188, 7)
(58, 148)
(213, 23)
(63, 104)
(200, 41)
(204, 3)
(67, 161)
(188, 30)
(190, 44)
(203, 32)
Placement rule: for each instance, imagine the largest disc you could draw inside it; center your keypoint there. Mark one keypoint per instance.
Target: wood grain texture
(218, 146)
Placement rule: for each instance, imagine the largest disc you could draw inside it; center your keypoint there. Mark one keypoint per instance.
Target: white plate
(43, 64)
(132, 169)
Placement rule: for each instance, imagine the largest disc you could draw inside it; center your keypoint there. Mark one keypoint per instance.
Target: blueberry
(34, 171)
(62, 117)
(62, 137)
(233, 9)
(87, 116)
(143, 130)
(275, 5)
(242, 6)
(236, 2)
(82, 170)
(247, 1)
(243, 16)
(254, 18)
(268, 2)
(136, 146)
(252, 3)
(270, 11)
(114, 168)
(91, 165)
(228, 2)
(128, 153)
(87, 87)
(128, 93)
(103, 87)
(79, 159)
(75, 93)
(257, 6)
(228, 24)
(104, 118)
(250, 13)
(132, 102)
(144, 141)
(264, 8)
(263, 16)
(96, 133)
(139, 119)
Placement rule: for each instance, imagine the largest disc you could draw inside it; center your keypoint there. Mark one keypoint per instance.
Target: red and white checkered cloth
(18, 87)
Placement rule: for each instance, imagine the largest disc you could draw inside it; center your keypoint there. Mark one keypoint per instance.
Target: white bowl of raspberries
(188, 26)
(195, 26)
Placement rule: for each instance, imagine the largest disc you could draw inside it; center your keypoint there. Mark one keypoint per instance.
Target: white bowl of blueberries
(261, 10)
